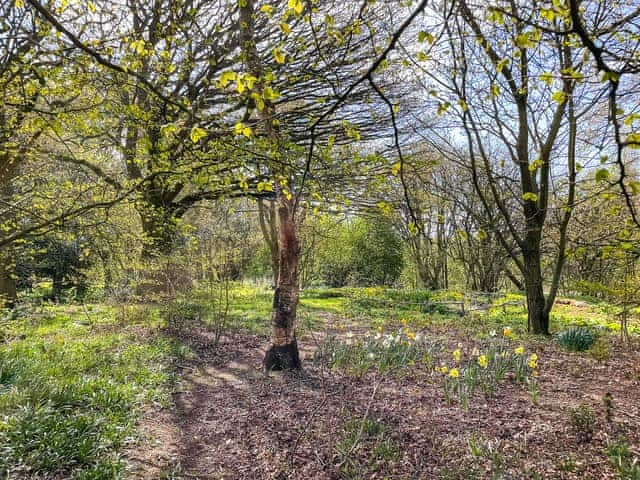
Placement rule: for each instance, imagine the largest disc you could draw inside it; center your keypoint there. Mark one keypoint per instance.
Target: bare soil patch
(230, 421)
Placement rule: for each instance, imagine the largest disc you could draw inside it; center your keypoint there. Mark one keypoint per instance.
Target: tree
(513, 109)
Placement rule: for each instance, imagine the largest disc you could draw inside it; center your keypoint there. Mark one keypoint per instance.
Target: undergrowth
(71, 387)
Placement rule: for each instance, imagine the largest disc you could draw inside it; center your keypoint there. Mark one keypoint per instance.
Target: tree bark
(283, 352)
(537, 315)
(269, 228)
(8, 290)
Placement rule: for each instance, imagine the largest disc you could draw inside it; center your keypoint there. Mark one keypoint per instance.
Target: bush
(582, 420)
(577, 339)
(364, 252)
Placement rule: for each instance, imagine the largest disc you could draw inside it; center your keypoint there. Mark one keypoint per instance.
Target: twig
(346, 455)
(305, 429)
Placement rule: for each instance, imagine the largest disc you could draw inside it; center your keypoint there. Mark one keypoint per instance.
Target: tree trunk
(269, 227)
(158, 227)
(283, 353)
(537, 316)
(8, 291)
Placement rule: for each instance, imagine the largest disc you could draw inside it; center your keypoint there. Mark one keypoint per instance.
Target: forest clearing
(317, 239)
(155, 396)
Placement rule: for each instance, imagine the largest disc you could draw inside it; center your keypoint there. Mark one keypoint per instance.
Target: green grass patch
(71, 387)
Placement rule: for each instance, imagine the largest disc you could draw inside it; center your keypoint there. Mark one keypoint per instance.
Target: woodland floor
(231, 421)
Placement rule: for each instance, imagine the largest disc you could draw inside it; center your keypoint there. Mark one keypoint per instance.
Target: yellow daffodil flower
(519, 350)
(482, 361)
(457, 354)
(454, 373)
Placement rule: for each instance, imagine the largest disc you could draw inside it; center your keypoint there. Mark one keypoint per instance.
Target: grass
(375, 306)
(74, 379)
(71, 389)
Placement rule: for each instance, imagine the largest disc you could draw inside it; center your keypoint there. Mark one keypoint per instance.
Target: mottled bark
(8, 291)
(283, 353)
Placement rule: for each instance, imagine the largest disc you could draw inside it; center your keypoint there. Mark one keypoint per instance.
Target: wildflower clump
(378, 350)
(487, 370)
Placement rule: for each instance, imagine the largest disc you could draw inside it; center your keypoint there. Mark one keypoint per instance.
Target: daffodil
(444, 369)
(453, 373)
(404, 322)
(507, 332)
(519, 350)
(411, 335)
(457, 354)
(482, 361)
(533, 361)
(380, 329)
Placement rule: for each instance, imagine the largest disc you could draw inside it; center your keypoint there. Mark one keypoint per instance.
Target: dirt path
(230, 421)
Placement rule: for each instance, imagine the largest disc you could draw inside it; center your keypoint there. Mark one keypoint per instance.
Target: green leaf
(607, 76)
(296, 5)
(278, 55)
(425, 36)
(259, 101)
(269, 94)
(286, 29)
(226, 77)
(548, 14)
(530, 197)
(559, 97)
(524, 41)
(633, 139)
(443, 107)
(196, 134)
(496, 17)
(242, 129)
(547, 78)
(602, 175)
(395, 168)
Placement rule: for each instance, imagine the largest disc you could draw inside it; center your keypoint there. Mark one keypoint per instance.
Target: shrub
(582, 420)
(577, 339)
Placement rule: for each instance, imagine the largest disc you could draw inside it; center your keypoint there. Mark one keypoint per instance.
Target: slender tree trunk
(269, 227)
(8, 291)
(283, 353)
(537, 315)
